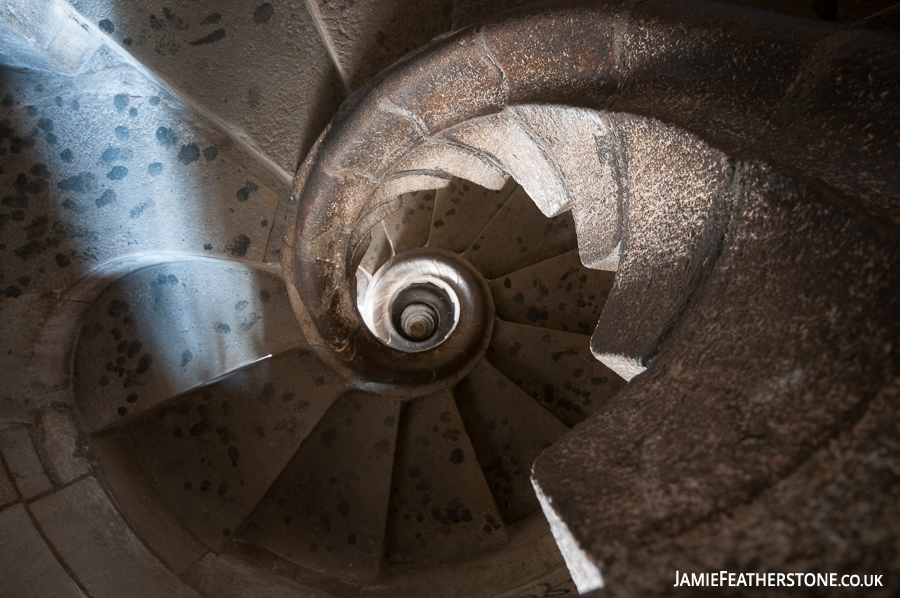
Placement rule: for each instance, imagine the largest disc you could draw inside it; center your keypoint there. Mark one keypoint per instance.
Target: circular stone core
(428, 300)
(418, 321)
(423, 313)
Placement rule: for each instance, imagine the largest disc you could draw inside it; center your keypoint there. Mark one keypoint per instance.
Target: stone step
(214, 453)
(164, 330)
(408, 227)
(441, 509)
(558, 293)
(462, 210)
(328, 509)
(518, 236)
(508, 431)
(676, 213)
(555, 368)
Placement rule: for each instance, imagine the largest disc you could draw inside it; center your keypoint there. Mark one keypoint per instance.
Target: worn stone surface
(531, 558)
(27, 567)
(802, 74)
(555, 368)
(518, 236)
(586, 575)
(379, 250)
(136, 499)
(417, 92)
(838, 12)
(261, 68)
(441, 507)
(573, 138)
(508, 139)
(677, 209)
(715, 70)
(167, 329)
(23, 462)
(328, 509)
(439, 156)
(833, 116)
(90, 535)
(508, 430)
(64, 446)
(21, 318)
(105, 165)
(715, 42)
(600, 210)
(789, 349)
(45, 35)
(534, 51)
(214, 453)
(366, 36)
(470, 12)
(225, 576)
(266, 561)
(7, 489)
(803, 523)
(558, 293)
(887, 19)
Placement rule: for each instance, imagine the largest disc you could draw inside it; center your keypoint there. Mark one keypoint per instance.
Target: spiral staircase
(562, 301)
(284, 456)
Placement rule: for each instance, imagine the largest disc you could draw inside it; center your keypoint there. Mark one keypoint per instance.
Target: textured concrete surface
(518, 236)
(782, 364)
(408, 227)
(136, 499)
(796, 440)
(676, 210)
(102, 165)
(558, 293)
(213, 453)
(23, 462)
(556, 368)
(510, 139)
(8, 492)
(260, 68)
(63, 444)
(462, 210)
(228, 577)
(167, 329)
(46, 35)
(20, 320)
(508, 430)
(89, 534)
(28, 567)
(328, 509)
(441, 495)
(366, 36)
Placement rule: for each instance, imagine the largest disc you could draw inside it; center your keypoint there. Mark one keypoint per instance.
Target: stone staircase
(627, 268)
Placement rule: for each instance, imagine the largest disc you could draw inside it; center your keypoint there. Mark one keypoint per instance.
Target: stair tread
(675, 219)
(518, 236)
(558, 293)
(328, 509)
(462, 210)
(214, 453)
(164, 330)
(555, 368)
(408, 227)
(441, 508)
(379, 251)
(508, 430)
(523, 153)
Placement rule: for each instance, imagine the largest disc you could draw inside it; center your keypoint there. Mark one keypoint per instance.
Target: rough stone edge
(586, 574)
